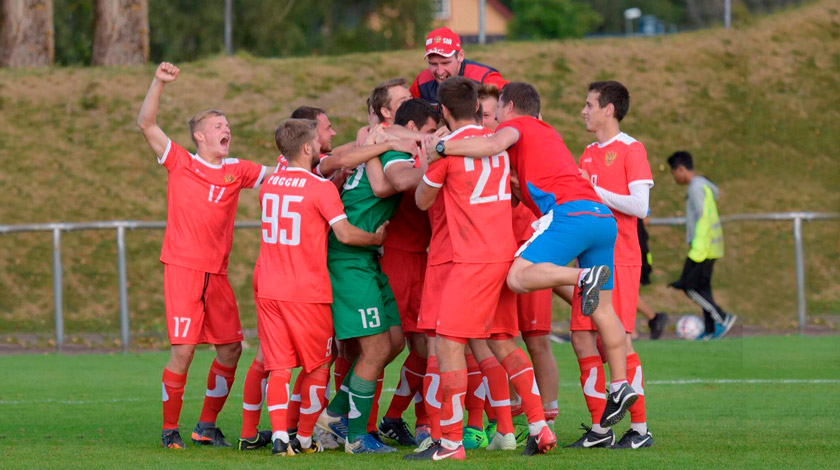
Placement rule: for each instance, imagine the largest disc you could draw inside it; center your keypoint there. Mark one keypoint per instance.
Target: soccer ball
(690, 327)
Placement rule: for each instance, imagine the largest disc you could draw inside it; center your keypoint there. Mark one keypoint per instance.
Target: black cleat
(657, 325)
(540, 443)
(397, 430)
(171, 439)
(617, 405)
(281, 449)
(633, 440)
(295, 447)
(590, 288)
(209, 436)
(593, 439)
(427, 454)
(262, 439)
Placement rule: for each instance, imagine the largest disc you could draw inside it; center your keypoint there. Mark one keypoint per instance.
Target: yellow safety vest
(708, 233)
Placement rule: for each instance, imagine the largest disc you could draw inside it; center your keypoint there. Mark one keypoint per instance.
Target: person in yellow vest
(704, 235)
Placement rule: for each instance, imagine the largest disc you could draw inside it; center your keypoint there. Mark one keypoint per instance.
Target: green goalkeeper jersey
(363, 208)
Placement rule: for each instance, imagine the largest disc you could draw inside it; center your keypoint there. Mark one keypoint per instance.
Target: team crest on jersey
(229, 179)
(609, 158)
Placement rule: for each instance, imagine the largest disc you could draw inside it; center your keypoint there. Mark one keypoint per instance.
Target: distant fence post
(123, 287)
(800, 273)
(57, 289)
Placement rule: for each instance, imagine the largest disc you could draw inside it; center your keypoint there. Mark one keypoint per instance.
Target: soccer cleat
(520, 429)
(397, 430)
(426, 444)
(593, 439)
(617, 404)
(502, 442)
(333, 425)
(422, 432)
(171, 439)
(657, 325)
(281, 448)
(327, 440)
(590, 288)
(438, 452)
(295, 447)
(721, 329)
(262, 439)
(474, 438)
(367, 444)
(490, 430)
(633, 440)
(209, 436)
(541, 443)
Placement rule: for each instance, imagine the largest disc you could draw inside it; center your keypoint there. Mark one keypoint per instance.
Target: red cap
(442, 41)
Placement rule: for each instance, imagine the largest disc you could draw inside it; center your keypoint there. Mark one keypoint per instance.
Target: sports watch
(440, 148)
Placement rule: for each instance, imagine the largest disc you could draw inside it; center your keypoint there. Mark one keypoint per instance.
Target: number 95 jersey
(298, 209)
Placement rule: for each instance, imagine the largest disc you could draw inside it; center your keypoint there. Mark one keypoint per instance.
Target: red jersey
(547, 172)
(476, 196)
(282, 163)
(523, 220)
(298, 209)
(440, 245)
(615, 166)
(201, 207)
(409, 229)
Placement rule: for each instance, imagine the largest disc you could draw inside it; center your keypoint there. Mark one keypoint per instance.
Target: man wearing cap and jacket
(446, 59)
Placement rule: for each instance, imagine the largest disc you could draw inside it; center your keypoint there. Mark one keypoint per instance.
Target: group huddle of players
(484, 209)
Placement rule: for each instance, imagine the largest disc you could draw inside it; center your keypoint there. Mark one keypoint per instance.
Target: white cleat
(502, 442)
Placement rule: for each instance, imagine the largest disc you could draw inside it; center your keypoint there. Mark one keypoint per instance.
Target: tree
(551, 19)
(122, 32)
(26, 33)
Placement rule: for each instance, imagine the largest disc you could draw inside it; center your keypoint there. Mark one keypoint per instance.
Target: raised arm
(147, 118)
(476, 147)
(349, 234)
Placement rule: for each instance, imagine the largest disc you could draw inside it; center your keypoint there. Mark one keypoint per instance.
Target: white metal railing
(122, 225)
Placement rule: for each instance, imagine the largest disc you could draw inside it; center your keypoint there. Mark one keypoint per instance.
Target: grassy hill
(757, 106)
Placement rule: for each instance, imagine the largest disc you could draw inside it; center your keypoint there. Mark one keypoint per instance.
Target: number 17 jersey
(298, 209)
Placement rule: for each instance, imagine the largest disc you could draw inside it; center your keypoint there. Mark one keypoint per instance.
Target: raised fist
(167, 72)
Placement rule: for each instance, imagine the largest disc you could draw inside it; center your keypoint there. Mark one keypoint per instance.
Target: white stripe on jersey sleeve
(337, 219)
(165, 152)
(430, 183)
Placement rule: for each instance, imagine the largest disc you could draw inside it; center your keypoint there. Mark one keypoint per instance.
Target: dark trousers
(696, 281)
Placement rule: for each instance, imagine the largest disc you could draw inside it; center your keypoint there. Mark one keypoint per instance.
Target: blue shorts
(585, 230)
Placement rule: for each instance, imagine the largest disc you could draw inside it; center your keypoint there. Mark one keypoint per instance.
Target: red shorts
(625, 296)
(294, 334)
(470, 300)
(200, 307)
(534, 311)
(437, 277)
(505, 320)
(405, 271)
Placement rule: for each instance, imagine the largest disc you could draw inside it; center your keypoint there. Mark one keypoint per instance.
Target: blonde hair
(196, 120)
(292, 134)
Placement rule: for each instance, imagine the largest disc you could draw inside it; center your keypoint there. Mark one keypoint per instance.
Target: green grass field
(757, 402)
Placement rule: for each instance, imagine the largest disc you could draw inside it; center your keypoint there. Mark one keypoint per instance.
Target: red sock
(277, 399)
(312, 398)
(636, 379)
(521, 373)
(340, 370)
(420, 408)
(474, 401)
(173, 397)
(496, 393)
(454, 388)
(253, 396)
(431, 396)
(293, 413)
(219, 381)
(411, 380)
(593, 383)
(373, 419)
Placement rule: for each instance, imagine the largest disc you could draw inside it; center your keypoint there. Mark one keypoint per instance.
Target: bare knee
(228, 354)
(584, 343)
(513, 280)
(180, 358)
(501, 348)
(419, 345)
(538, 345)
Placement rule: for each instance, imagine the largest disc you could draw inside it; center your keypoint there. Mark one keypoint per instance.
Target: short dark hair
(612, 92)
(307, 112)
(526, 99)
(292, 134)
(681, 159)
(379, 96)
(460, 96)
(416, 110)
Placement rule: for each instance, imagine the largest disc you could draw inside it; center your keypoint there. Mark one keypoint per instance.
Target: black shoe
(296, 448)
(590, 288)
(424, 455)
(397, 430)
(375, 435)
(262, 439)
(171, 439)
(292, 434)
(657, 325)
(210, 436)
(592, 439)
(617, 405)
(281, 449)
(633, 440)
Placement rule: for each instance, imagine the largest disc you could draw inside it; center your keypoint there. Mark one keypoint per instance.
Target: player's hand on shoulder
(405, 146)
(376, 135)
(428, 147)
(380, 233)
(167, 72)
(442, 132)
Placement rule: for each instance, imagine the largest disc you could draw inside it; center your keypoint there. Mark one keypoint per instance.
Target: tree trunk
(27, 37)
(122, 32)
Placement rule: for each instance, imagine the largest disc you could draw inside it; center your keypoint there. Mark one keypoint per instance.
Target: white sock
(600, 430)
(305, 442)
(282, 435)
(450, 445)
(614, 386)
(583, 273)
(640, 428)
(534, 428)
(550, 406)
